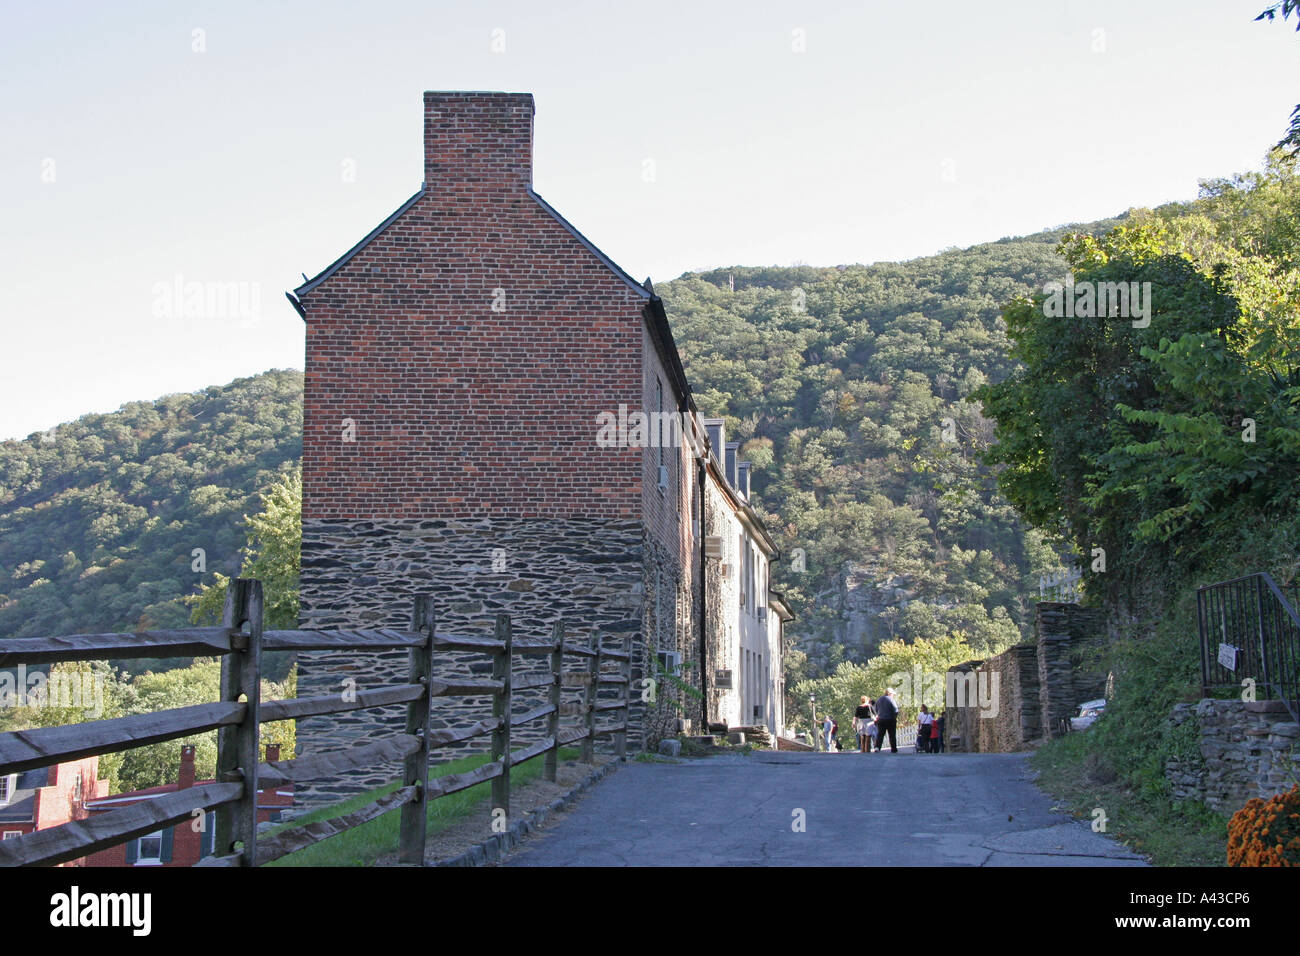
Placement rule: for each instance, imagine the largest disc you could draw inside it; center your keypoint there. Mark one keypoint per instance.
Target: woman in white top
(923, 721)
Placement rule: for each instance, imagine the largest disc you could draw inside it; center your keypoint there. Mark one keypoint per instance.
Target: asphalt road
(897, 809)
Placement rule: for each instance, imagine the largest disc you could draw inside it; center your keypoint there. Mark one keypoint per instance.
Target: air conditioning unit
(671, 662)
(663, 478)
(724, 570)
(713, 547)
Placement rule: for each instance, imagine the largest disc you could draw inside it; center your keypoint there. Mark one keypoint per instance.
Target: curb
(492, 849)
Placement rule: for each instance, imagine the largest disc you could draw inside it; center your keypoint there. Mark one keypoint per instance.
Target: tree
(156, 764)
(1159, 445)
(916, 671)
(1284, 8)
(271, 554)
(72, 692)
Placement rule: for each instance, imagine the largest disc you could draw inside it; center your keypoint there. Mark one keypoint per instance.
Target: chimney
(272, 753)
(478, 142)
(186, 778)
(715, 427)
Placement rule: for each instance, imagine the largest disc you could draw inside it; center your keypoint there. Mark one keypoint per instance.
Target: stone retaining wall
(1019, 696)
(1069, 641)
(1247, 749)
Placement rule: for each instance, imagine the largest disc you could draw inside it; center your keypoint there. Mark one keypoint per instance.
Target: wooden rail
(237, 718)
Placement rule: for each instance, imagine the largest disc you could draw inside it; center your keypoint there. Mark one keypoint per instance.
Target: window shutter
(132, 851)
(209, 839)
(167, 835)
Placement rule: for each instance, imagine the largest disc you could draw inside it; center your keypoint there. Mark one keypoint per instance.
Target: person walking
(828, 731)
(923, 720)
(936, 741)
(861, 718)
(887, 720)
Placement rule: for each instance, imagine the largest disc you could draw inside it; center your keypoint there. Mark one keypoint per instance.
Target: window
(150, 849)
(76, 788)
(695, 510)
(659, 418)
(13, 834)
(749, 576)
(6, 785)
(155, 849)
(740, 558)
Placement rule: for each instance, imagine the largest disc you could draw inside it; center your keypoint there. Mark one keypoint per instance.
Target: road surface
(846, 809)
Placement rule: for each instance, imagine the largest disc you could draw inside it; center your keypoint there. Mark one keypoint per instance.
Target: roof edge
(342, 260)
(591, 246)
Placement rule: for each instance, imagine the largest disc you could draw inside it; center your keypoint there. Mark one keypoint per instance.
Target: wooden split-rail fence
(238, 715)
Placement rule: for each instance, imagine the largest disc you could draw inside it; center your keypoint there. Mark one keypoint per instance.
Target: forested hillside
(847, 387)
(106, 523)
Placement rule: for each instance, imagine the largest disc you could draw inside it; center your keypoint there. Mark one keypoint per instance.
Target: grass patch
(363, 845)
(1171, 833)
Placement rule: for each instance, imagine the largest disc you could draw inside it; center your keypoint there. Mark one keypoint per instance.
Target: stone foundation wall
(670, 609)
(1032, 686)
(1247, 750)
(589, 573)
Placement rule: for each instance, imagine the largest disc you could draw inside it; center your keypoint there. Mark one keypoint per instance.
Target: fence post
(416, 770)
(237, 746)
(625, 668)
(501, 667)
(589, 699)
(1263, 639)
(552, 759)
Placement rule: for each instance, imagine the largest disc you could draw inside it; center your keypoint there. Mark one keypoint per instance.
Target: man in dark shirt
(887, 721)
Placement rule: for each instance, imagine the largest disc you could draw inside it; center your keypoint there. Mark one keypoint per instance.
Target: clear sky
(146, 146)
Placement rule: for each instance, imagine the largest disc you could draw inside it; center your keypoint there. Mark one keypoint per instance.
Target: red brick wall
(667, 515)
(461, 410)
(187, 843)
(54, 804)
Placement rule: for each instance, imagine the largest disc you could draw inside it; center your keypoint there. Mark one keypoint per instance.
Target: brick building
(463, 362)
(48, 797)
(181, 844)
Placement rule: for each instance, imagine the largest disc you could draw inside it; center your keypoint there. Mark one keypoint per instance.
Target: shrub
(1266, 832)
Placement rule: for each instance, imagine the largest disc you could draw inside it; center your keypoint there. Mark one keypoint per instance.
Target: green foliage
(1284, 8)
(73, 692)
(119, 695)
(272, 547)
(1175, 448)
(156, 764)
(847, 388)
(915, 671)
(100, 519)
(1158, 444)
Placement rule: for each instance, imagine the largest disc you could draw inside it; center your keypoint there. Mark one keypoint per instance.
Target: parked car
(1089, 711)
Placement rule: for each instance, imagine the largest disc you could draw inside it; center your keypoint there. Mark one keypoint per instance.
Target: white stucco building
(744, 618)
